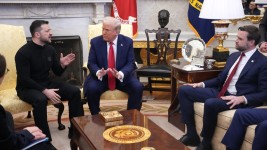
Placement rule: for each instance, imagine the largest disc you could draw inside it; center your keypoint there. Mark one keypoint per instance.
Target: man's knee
(40, 101)
(184, 89)
(263, 125)
(211, 103)
(138, 86)
(76, 90)
(90, 88)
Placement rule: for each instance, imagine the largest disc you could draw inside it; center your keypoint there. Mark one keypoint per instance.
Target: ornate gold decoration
(126, 134)
(221, 33)
(143, 44)
(255, 19)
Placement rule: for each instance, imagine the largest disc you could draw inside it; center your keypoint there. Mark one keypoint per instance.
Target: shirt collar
(250, 53)
(115, 41)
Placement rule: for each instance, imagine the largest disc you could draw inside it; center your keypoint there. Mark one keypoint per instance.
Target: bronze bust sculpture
(163, 17)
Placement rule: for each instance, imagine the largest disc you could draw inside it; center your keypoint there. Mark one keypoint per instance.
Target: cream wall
(73, 18)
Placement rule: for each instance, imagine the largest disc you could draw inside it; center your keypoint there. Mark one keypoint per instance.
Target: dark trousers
(94, 88)
(187, 95)
(234, 136)
(39, 103)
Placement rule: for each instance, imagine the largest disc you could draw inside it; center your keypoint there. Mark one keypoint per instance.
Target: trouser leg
(39, 103)
(234, 136)
(187, 95)
(134, 89)
(93, 90)
(212, 107)
(259, 142)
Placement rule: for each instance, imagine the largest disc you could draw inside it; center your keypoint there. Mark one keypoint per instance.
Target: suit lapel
(249, 64)
(119, 50)
(104, 54)
(231, 62)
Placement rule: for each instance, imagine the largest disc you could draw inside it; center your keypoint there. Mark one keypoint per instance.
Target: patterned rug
(149, 108)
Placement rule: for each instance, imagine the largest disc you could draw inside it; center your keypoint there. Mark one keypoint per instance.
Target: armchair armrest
(85, 70)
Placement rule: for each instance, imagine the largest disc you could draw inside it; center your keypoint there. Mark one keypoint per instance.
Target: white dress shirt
(231, 88)
(115, 42)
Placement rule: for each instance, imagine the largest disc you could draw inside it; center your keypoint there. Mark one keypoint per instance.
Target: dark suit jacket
(252, 82)
(10, 140)
(125, 61)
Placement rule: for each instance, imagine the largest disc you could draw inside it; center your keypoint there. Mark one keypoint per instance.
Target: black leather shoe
(203, 146)
(70, 133)
(51, 146)
(189, 141)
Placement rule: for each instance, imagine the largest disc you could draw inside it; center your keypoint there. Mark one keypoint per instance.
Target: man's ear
(37, 34)
(252, 43)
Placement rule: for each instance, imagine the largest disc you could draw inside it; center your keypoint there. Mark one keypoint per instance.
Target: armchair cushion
(11, 102)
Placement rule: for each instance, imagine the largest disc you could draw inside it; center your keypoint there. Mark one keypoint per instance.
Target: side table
(194, 76)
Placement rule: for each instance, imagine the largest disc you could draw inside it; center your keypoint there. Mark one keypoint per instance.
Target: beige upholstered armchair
(11, 39)
(96, 30)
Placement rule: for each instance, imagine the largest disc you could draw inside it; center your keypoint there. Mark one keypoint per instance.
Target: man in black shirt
(33, 62)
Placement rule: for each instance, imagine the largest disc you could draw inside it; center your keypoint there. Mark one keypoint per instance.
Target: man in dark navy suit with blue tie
(241, 84)
(112, 66)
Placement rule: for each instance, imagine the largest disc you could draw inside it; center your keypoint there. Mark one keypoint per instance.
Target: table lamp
(221, 11)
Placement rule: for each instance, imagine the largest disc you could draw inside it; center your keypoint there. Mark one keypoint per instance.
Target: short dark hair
(2, 65)
(36, 26)
(253, 33)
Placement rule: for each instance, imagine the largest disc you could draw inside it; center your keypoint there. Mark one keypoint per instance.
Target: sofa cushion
(224, 118)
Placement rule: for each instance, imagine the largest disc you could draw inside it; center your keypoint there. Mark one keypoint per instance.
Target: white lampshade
(222, 9)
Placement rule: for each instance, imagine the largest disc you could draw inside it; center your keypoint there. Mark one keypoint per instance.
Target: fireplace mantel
(52, 1)
(66, 17)
(14, 9)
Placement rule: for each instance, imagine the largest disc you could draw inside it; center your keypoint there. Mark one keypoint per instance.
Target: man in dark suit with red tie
(241, 84)
(112, 66)
(244, 117)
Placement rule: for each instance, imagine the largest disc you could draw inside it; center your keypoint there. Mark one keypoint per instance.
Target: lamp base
(220, 54)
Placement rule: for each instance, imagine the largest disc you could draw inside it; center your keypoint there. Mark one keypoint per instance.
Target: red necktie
(229, 79)
(111, 65)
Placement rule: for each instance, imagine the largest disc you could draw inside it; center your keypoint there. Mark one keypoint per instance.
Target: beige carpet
(149, 108)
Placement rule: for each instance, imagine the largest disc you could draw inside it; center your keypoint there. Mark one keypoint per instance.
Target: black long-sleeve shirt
(33, 63)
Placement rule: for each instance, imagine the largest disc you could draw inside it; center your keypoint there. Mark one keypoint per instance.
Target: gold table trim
(126, 134)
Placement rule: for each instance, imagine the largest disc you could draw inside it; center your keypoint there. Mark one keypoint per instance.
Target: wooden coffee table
(88, 134)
